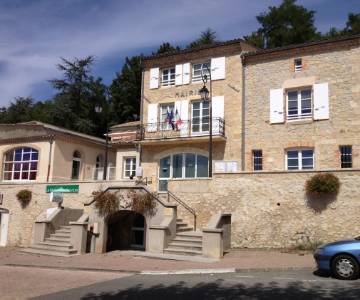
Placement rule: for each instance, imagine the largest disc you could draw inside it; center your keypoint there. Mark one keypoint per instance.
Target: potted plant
(24, 197)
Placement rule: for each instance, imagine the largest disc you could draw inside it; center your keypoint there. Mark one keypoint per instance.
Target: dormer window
(168, 77)
(297, 64)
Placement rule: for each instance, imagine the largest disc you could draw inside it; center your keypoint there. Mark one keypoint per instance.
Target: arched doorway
(126, 230)
(4, 223)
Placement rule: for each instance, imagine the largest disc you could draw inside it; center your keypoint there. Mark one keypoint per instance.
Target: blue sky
(35, 33)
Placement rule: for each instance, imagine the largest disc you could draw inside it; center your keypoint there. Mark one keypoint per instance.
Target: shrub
(322, 185)
(106, 203)
(142, 203)
(24, 197)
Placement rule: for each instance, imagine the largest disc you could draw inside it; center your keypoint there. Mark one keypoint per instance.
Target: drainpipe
(243, 106)
(51, 141)
(141, 111)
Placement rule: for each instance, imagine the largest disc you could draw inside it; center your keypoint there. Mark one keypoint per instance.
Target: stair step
(185, 240)
(53, 248)
(183, 229)
(50, 253)
(60, 235)
(179, 220)
(65, 227)
(54, 245)
(185, 246)
(191, 234)
(63, 231)
(171, 250)
(181, 224)
(57, 240)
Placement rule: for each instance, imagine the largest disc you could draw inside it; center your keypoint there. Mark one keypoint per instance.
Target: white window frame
(254, 158)
(132, 165)
(298, 67)
(299, 157)
(299, 115)
(166, 80)
(163, 125)
(203, 71)
(341, 154)
(201, 117)
(21, 162)
(77, 159)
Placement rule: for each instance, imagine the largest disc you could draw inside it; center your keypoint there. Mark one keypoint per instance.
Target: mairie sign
(71, 188)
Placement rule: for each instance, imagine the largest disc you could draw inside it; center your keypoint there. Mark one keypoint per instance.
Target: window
(165, 110)
(129, 167)
(299, 104)
(346, 156)
(297, 64)
(301, 159)
(200, 117)
(199, 70)
(257, 160)
(76, 165)
(168, 77)
(21, 164)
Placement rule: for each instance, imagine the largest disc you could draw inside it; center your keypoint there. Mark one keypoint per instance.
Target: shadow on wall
(320, 203)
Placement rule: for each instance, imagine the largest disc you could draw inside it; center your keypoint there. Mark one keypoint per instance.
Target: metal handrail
(130, 188)
(183, 204)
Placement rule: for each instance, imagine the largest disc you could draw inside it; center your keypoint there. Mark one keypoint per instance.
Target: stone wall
(270, 209)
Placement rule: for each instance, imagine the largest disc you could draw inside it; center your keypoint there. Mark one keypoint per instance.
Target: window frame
(254, 151)
(79, 160)
(299, 158)
(300, 116)
(168, 81)
(21, 162)
(298, 67)
(346, 154)
(131, 170)
(201, 117)
(198, 78)
(165, 126)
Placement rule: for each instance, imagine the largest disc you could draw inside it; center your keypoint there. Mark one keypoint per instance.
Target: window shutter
(184, 115)
(218, 113)
(276, 106)
(218, 68)
(152, 117)
(178, 74)
(321, 101)
(154, 78)
(186, 73)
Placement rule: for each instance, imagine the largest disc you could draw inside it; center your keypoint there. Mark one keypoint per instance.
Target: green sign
(72, 188)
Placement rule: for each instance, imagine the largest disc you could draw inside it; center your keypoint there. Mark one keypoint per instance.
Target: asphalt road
(301, 284)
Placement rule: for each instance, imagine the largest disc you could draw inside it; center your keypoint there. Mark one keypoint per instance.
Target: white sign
(56, 197)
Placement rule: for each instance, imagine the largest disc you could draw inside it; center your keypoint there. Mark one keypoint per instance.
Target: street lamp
(99, 109)
(206, 95)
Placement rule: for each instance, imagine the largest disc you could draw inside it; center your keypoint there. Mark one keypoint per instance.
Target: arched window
(76, 165)
(20, 164)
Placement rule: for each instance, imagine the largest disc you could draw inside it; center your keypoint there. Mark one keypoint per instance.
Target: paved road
(253, 285)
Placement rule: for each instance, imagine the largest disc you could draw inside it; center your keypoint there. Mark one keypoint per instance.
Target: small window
(168, 77)
(257, 160)
(301, 159)
(129, 167)
(299, 104)
(297, 64)
(346, 156)
(76, 165)
(199, 70)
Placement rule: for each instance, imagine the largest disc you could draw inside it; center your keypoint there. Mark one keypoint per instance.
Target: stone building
(279, 117)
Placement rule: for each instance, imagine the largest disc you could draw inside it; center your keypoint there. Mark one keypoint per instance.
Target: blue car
(341, 258)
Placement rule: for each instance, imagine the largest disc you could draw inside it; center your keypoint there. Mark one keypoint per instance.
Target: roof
(231, 46)
(321, 45)
(127, 124)
(52, 129)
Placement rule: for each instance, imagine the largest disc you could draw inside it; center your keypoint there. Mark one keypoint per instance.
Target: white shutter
(4, 222)
(154, 78)
(184, 115)
(321, 101)
(276, 106)
(218, 68)
(186, 73)
(152, 117)
(217, 113)
(178, 74)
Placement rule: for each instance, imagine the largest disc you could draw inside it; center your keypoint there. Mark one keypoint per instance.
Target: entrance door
(138, 232)
(4, 221)
(164, 173)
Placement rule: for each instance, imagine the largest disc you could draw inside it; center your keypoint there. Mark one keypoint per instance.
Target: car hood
(344, 242)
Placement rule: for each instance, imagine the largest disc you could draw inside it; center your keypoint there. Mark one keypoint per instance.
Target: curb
(190, 271)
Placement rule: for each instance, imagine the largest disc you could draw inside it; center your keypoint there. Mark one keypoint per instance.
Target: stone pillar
(78, 236)
(212, 245)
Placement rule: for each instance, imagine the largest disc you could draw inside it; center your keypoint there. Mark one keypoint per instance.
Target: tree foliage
(207, 37)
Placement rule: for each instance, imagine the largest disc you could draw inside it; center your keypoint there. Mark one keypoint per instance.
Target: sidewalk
(126, 261)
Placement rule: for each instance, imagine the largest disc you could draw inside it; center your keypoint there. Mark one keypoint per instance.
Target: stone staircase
(58, 244)
(186, 241)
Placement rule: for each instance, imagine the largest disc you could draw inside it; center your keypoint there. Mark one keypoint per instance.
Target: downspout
(141, 111)
(243, 106)
(51, 141)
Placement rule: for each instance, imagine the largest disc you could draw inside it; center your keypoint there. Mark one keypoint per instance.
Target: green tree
(125, 91)
(352, 27)
(19, 110)
(78, 94)
(165, 48)
(207, 37)
(284, 25)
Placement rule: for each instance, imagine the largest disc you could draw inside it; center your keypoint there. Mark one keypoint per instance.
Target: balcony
(188, 130)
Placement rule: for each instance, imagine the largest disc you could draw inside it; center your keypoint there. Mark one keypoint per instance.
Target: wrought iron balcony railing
(188, 128)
